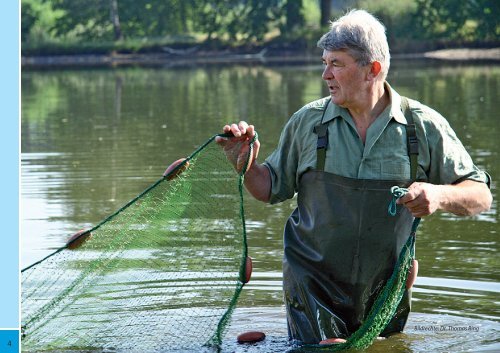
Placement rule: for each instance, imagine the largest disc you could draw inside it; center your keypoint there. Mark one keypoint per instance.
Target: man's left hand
(422, 199)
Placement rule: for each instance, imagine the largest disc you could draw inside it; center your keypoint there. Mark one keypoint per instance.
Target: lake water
(93, 139)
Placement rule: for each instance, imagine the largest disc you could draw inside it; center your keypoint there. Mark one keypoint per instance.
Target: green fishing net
(162, 273)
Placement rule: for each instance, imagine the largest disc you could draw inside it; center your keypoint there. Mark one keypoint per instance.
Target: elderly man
(341, 154)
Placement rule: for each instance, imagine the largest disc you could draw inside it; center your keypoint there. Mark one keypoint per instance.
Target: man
(341, 154)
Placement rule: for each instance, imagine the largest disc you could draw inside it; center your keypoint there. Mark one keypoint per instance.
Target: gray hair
(362, 36)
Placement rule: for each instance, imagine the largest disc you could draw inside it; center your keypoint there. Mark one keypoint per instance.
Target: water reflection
(93, 139)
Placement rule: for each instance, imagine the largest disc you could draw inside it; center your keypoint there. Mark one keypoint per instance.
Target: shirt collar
(334, 111)
(395, 98)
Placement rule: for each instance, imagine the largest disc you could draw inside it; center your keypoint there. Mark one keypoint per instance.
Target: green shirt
(442, 158)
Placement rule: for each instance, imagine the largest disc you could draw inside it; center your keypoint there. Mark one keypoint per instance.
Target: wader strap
(322, 131)
(411, 138)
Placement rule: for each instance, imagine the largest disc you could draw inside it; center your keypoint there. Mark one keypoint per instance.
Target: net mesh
(164, 272)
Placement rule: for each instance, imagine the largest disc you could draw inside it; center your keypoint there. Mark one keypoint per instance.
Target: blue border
(9, 145)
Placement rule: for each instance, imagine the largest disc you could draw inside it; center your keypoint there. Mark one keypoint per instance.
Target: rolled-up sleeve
(449, 162)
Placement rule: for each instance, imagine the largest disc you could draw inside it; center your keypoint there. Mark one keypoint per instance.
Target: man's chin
(336, 100)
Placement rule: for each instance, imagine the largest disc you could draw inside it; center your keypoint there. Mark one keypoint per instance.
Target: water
(93, 139)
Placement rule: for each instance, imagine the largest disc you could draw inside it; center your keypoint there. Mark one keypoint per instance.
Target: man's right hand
(237, 148)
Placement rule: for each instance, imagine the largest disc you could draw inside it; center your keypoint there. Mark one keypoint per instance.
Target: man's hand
(257, 176)
(422, 199)
(237, 148)
(466, 198)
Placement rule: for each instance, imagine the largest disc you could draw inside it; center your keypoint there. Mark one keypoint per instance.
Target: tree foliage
(247, 21)
(459, 19)
(452, 21)
(242, 20)
(38, 18)
(28, 19)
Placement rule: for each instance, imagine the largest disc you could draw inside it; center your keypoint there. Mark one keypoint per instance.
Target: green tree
(261, 16)
(84, 19)
(459, 19)
(38, 18)
(156, 18)
(212, 16)
(243, 20)
(110, 19)
(397, 17)
(28, 19)
(114, 19)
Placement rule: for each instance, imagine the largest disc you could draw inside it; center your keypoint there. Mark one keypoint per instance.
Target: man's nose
(327, 74)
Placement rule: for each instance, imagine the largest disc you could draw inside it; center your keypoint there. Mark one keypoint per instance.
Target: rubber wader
(340, 248)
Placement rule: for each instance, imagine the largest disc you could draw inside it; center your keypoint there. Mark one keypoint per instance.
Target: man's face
(344, 77)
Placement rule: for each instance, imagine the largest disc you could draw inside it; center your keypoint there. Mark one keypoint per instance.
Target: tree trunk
(326, 9)
(115, 19)
(294, 17)
(183, 11)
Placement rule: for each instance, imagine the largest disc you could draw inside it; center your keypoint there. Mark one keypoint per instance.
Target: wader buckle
(412, 139)
(322, 132)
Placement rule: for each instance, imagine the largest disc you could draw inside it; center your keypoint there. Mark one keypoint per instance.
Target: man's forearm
(467, 198)
(258, 182)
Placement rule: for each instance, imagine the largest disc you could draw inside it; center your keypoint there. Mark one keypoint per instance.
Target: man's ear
(375, 70)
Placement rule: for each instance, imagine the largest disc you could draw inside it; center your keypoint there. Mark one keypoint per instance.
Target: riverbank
(463, 54)
(173, 58)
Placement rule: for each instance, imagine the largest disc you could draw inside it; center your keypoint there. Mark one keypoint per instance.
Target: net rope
(163, 273)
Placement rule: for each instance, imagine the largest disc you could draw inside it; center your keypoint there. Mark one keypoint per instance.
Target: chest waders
(341, 246)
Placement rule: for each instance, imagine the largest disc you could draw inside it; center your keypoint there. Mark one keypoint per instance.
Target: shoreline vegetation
(170, 57)
(172, 33)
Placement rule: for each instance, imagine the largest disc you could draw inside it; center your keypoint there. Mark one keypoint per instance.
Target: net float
(77, 239)
(333, 341)
(251, 337)
(248, 270)
(172, 171)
